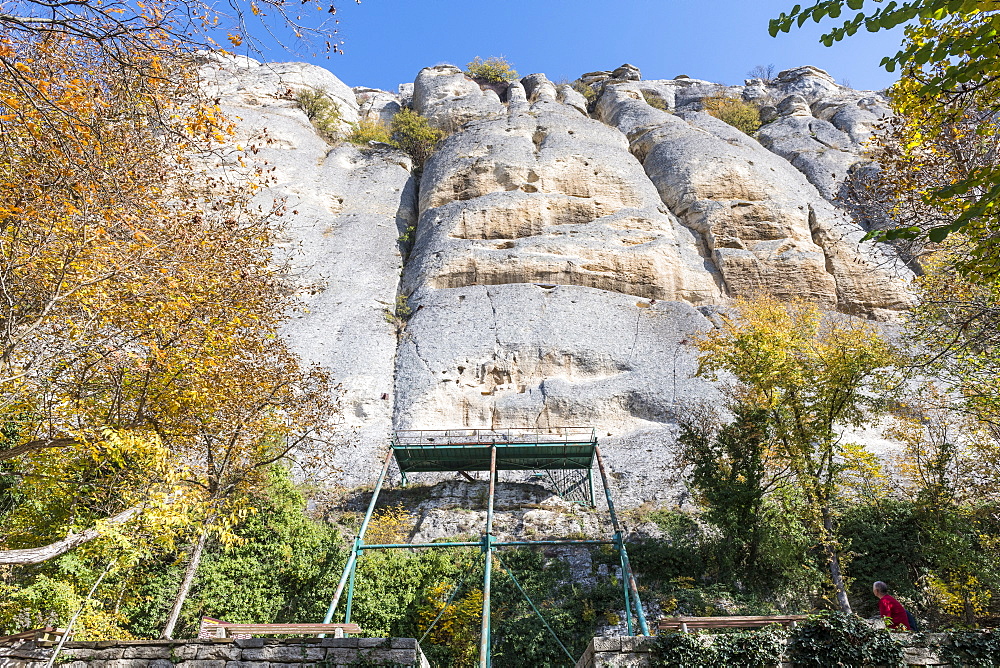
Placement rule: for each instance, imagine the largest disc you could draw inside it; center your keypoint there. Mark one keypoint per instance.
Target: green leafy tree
(731, 476)
(812, 376)
(950, 75)
(280, 566)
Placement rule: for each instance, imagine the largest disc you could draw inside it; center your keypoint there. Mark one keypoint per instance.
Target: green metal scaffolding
(565, 456)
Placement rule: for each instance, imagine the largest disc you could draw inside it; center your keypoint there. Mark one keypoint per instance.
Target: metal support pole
(349, 566)
(626, 568)
(625, 588)
(485, 639)
(479, 543)
(590, 484)
(350, 584)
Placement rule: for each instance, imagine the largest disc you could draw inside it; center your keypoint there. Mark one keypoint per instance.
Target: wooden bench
(215, 628)
(45, 637)
(687, 623)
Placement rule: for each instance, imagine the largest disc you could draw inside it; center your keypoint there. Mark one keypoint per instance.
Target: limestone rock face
(346, 212)
(763, 223)
(809, 82)
(547, 268)
(449, 99)
(790, 106)
(815, 147)
(528, 355)
(538, 87)
(550, 197)
(823, 148)
(573, 98)
(627, 72)
(377, 105)
(245, 82)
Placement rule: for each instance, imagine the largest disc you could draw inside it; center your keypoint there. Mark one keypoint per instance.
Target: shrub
(980, 649)
(763, 72)
(682, 650)
(321, 111)
(655, 102)
(494, 69)
(741, 115)
(588, 92)
(757, 648)
(412, 133)
(367, 130)
(840, 639)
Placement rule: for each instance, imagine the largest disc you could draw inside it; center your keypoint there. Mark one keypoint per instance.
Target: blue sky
(386, 42)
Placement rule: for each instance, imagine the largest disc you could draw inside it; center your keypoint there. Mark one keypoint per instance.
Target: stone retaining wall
(635, 652)
(223, 653)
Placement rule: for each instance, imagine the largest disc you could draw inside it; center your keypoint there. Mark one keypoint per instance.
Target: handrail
(490, 437)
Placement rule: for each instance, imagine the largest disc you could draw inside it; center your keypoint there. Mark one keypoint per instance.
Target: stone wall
(223, 653)
(635, 652)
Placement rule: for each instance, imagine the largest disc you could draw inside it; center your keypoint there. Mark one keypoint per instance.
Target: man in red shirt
(892, 611)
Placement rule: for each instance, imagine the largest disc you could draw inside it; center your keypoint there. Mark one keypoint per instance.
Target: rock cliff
(552, 260)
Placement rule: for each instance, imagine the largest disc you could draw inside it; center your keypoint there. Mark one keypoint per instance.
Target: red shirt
(893, 613)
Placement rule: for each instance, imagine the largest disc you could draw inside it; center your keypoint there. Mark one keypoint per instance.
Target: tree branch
(38, 444)
(36, 555)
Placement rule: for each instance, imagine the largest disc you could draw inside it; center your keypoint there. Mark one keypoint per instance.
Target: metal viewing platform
(564, 455)
(424, 450)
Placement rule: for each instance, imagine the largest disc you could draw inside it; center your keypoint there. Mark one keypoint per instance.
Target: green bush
(741, 115)
(655, 102)
(588, 92)
(976, 649)
(684, 552)
(284, 569)
(755, 649)
(321, 111)
(840, 639)
(520, 639)
(412, 133)
(367, 130)
(682, 650)
(494, 69)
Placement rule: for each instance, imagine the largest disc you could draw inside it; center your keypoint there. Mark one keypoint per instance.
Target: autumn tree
(141, 301)
(948, 467)
(266, 409)
(813, 376)
(144, 387)
(120, 31)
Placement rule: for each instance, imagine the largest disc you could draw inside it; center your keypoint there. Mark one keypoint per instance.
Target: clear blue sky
(386, 42)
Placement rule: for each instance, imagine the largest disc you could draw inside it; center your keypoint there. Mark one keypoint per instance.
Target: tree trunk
(833, 556)
(36, 555)
(185, 589)
(968, 611)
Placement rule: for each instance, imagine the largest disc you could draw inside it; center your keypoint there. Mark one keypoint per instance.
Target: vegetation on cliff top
(494, 69)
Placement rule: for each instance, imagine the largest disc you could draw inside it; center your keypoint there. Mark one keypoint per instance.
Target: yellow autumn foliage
(392, 524)
(140, 299)
(459, 625)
